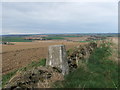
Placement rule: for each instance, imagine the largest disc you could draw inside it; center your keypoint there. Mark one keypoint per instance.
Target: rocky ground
(40, 77)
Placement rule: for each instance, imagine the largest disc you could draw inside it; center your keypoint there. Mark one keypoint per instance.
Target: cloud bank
(62, 17)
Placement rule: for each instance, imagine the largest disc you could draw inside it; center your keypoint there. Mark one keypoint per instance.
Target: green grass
(15, 39)
(99, 72)
(41, 62)
(71, 36)
(7, 77)
(85, 41)
(21, 39)
(54, 38)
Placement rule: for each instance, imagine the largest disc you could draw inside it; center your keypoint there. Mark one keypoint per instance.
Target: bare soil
(77, 38)
(23, 53)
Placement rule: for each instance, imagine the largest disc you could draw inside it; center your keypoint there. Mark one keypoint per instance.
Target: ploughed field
(23, 53)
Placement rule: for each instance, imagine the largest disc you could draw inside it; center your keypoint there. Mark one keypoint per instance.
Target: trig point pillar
(57, 58)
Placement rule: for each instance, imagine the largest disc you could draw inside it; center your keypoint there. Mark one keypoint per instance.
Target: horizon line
(60, 33)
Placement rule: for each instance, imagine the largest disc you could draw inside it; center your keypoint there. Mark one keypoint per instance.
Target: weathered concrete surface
(57, 58)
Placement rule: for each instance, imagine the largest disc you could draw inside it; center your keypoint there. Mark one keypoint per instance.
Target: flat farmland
(77, 38)
(23, 53)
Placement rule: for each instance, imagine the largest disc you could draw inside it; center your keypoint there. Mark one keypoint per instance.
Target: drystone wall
(81, 52)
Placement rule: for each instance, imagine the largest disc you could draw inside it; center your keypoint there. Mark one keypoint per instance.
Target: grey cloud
(50, 17)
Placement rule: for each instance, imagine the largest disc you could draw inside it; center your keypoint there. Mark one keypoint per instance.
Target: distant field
(21, 39)
(85, 41)
(15, 39)
(54, 38)
(68, 36)
(91, 40)
(60, 37)
(81, 38)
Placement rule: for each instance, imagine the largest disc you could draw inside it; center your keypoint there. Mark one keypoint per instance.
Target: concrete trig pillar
(57, 58)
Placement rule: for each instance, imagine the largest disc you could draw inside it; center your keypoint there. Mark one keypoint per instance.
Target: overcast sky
(59, 17)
